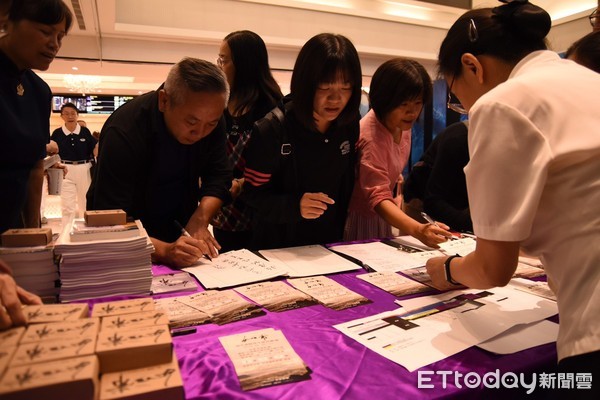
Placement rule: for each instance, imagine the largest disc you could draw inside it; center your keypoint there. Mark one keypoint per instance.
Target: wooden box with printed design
(50, 350)
(71, 378)
(159, 382)
(84, 327)
(120, 350)
(38, 314)
(134, 321)
(122, 307)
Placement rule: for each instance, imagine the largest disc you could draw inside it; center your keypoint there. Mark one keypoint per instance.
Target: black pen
(181, 332)
(186, 233)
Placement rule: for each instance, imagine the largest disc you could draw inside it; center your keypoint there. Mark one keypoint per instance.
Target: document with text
(309, 260)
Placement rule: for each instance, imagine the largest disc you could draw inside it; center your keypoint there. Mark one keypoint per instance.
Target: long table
(341, 367)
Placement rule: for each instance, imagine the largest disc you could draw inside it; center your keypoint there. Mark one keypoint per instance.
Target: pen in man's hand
(186, 233)
(429, 219)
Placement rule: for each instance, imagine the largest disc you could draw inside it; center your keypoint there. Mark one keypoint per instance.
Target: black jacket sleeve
(216, 172)
(446, 197)
(120, 157)
(269, 176)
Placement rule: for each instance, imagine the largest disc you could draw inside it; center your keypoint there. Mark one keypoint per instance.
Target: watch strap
(447, 270)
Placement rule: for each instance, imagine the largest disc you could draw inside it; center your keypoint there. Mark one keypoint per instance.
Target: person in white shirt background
(77, 149)
(534, 172)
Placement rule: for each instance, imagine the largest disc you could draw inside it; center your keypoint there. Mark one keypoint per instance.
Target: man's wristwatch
(447, 270)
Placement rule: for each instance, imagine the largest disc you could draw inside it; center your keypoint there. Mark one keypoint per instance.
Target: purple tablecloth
(341, 367)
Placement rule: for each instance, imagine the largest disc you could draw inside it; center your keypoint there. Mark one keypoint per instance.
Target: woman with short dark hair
(300, 161)
(399, 88)
(586, 51)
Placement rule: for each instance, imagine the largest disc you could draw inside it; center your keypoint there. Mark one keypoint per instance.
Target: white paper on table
(238, 267)
(528, 271)
(380, 256)
(425, 340)
(432, 339)
(522, 337)
(178, 281)
(309, 260)
(412, 242)
(217, 303)
(423, 256)
(275, 296)
(537, 288)
(328, 292)
(533, 261)
(462, 247)
(393, 283)
(263, 358)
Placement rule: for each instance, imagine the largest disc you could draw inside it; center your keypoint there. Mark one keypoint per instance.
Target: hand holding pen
(433, 233)
(194, 247)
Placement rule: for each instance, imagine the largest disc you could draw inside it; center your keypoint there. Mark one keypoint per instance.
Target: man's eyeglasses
(594, 18)
(456, 107)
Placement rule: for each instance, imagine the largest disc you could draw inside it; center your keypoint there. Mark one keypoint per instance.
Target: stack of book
(34, 269)
(107, 261)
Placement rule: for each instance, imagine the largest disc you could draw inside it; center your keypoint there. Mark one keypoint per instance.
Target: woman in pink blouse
(399, 88)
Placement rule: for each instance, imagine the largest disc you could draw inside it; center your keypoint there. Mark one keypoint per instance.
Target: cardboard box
(27, 237)
(85, 327)
(105, 217)
(55, 312)
(122, 307)
(134, 321)
(160, 382)
(72, 378)
(51, 350)
(120, 350)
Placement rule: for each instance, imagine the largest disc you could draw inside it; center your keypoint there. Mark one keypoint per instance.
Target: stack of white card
(264, 358)
(34, 269)
(102, 268)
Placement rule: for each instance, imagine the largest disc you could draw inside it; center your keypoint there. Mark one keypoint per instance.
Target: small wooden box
(160, 382)
(122, 307)
(120, 350)
(27, 237)
(51, 350)
(38, 314)
(84, 327)
(11, 337)
(134, 321)
(71, 378)
(105, 217)
(6, 354)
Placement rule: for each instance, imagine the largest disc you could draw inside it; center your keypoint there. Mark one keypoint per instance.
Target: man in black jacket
(162, 159)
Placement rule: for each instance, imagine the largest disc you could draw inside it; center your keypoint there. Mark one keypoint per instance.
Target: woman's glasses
(456, 107)
(222, 61)
(594, 18)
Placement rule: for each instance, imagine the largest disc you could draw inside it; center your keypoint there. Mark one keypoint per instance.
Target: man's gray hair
(194, 75)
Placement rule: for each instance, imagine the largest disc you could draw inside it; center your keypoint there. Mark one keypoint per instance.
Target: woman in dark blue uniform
(30, 37)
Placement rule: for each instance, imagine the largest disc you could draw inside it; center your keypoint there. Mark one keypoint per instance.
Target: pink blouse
(380, 165)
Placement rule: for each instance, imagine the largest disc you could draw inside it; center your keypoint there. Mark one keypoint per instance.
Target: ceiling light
(82, 83)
